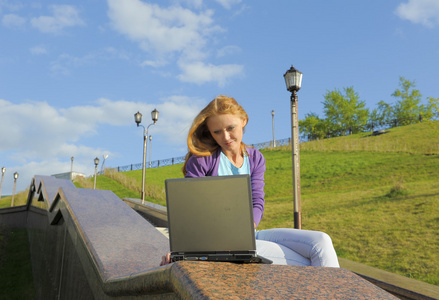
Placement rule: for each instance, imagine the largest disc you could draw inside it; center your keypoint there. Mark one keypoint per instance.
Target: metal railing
(277, 143)
(154, 164)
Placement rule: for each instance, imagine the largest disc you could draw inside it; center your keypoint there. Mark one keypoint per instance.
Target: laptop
(211, 219)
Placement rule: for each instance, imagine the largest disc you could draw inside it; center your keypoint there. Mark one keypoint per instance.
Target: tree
(346, 113)
(432, 113)
(407, 109)
(374, 120)
(308, 126)
(431, 110)
(312, 127)
(385, 114)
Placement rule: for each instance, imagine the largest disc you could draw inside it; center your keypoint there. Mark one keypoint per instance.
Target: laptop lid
(210, 214)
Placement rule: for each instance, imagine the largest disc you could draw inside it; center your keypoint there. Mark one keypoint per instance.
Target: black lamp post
(96, 161)
(138, 120)
(1, 183)
(293, 80)
(15, 185)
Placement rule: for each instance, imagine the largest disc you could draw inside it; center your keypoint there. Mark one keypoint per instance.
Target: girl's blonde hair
(200, 142)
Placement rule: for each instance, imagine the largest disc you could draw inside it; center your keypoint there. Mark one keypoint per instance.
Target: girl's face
(227, 131)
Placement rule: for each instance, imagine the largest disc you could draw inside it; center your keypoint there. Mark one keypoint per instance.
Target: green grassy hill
(376, 196)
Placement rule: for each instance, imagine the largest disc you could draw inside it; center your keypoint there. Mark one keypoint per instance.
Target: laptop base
(221, 257)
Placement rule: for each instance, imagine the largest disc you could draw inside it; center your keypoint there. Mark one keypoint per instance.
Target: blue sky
(73, 73)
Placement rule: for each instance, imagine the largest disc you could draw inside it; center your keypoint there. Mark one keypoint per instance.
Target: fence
(154, 164)
(180, 159)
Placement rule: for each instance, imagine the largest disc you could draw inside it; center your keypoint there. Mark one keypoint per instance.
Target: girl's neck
(237, 159)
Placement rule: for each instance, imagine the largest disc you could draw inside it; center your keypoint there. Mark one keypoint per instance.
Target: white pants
(286, 246)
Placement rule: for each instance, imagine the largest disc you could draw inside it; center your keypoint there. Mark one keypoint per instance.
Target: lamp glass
(138, 118)
(155, 115)
(293, 79)
(96, 160)
(15, 175)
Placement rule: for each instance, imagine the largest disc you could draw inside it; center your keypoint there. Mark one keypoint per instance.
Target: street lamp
(1, 184)
(293, 80)
(150, 139)
(96, 161)
(15, 184)
(272, 118)
(71, 169)
(138, 120)
(105, 156)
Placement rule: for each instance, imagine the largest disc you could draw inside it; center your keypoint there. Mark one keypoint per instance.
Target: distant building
(68, 175)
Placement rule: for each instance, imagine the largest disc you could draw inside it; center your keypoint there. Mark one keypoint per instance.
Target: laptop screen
(210, 214)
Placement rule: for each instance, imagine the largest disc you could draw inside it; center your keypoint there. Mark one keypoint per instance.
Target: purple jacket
(200, 166)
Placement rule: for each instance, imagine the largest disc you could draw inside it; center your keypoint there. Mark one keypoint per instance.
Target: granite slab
(212, 280)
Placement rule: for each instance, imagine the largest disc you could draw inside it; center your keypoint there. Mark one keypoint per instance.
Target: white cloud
(199, 72)
(160, 30)
(425, 12)
(228, 50)
(160, 62)
(43, 143)
(65, 62)
(176, 116)
(58, 132)
(228, 3)
(10, 5)
(13, 21)
(193, 3)
(63, 16)
(167, 32)
(38, 50)
(26, 133)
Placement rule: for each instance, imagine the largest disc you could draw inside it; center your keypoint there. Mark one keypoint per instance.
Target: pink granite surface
(208, 280)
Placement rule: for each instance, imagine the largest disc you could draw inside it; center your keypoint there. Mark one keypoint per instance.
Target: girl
(216, 149)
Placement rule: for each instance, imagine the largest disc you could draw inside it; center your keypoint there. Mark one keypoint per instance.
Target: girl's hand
(166, 259)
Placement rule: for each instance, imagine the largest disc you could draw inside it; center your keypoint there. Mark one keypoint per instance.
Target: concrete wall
(57, 269)
(14, 217)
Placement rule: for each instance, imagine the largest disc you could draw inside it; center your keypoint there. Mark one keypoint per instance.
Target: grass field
(376, 196)
(381, 209)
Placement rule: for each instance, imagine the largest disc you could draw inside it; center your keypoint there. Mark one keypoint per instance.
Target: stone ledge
(214, 280)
